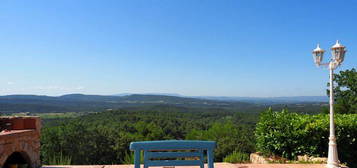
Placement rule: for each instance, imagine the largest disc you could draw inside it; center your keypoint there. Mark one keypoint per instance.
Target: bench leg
(145, 159)
(202, 159)
(210, 158)
(137, 158)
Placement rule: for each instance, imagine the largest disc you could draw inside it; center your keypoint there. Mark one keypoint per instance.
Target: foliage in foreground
(228, 136)
(130, 157)
(60, 160)
(289, 134)
(237, 157)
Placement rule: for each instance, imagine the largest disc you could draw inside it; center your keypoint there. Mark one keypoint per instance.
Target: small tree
(345, 91)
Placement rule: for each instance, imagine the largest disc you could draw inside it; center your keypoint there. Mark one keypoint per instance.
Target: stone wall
(256, 158)
(22, 135)
(312, 159)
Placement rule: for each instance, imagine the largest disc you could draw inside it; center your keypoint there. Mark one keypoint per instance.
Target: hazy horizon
(162, 94)
(193, 48)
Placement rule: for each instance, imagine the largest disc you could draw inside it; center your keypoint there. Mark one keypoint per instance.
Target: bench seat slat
(151, 155)
(173, 163)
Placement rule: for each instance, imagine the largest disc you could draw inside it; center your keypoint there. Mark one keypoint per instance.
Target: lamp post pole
(332, 161)
(338, 54)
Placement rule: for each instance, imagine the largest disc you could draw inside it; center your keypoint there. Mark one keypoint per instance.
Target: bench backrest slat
(172, 144)
(153, 155)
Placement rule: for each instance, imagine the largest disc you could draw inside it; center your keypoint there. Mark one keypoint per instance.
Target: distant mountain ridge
(121, 97)
(281, 99)
(273, 100)
(81, 102)
(155, 94)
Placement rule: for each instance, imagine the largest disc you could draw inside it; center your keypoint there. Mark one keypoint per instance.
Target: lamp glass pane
(335, 53)
(318, 57)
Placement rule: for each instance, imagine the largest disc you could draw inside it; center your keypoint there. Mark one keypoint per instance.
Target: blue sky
(190, 47)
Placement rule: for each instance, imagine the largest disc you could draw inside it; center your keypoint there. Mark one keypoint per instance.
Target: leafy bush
(228, 136)
(130, 158)
(60, 160)
(237, 157)
(289, 134)
(83, 144)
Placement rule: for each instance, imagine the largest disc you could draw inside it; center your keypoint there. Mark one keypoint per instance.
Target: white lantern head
(318, 54)
(338, 52)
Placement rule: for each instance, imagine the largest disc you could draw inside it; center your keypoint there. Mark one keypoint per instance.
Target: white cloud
(49, 88)
(79, 88)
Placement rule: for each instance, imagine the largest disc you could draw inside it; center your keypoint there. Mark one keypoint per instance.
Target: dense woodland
(104, 138)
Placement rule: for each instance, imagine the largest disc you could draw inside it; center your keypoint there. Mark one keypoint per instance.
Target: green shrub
(60, 160)
(237, 157)
(228, 136)
(129, 158)
(289, 134)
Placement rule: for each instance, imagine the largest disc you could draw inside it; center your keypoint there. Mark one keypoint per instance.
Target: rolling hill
(86, 103)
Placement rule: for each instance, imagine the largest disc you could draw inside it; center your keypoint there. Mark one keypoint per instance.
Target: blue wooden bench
(161, 153)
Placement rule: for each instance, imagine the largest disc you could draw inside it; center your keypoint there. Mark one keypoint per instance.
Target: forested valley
(104, 137)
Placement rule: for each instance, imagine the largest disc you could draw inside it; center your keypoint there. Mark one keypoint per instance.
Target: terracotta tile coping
(15, 132)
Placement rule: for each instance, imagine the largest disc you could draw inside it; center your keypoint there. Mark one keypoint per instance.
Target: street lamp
(338, 55)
